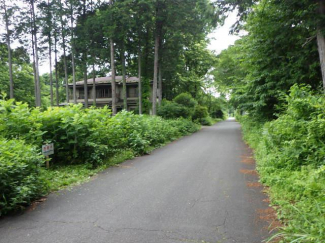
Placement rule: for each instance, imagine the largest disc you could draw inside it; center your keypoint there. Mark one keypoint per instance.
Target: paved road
(191, 190)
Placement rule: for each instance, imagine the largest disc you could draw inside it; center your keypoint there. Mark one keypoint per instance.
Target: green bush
(20, 180)
(290, 153)
(86, 135)
(80, 136)
(186, 100)
(173, 110)
(200, 112)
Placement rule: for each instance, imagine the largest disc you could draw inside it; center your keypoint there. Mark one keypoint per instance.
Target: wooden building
(104, 92)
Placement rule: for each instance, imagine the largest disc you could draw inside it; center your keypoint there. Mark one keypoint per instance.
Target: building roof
(107, 80)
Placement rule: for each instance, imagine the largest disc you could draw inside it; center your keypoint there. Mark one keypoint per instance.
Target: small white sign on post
(47, 150)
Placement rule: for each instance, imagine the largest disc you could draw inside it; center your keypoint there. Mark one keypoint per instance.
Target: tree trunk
(159, 85)
(94, 84)
(85, 81)
(34, 70)
(139, 84)
(11, 86)
(113, 72)
(155, 75)
(50, 52)
(56, 69)
(321, 42)
(64, 55)
(124, 79)
(113, 78)
(38, 86)
(51, 73)
(72, 58)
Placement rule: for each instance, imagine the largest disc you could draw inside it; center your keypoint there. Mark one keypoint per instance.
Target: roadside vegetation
(85, 140)
(273, 76)
(290, 156)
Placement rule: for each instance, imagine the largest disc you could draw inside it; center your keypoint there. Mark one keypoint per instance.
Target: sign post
(47, 150)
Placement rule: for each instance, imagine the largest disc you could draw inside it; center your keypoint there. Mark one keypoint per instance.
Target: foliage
(84, 140)
(20, 180)
(276, 54)
(200, 112)
(290, 155)
(171, 110)
(186, 100)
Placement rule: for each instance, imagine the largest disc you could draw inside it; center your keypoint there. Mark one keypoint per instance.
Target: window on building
(81, 94)
(103, 92)
(132, 92)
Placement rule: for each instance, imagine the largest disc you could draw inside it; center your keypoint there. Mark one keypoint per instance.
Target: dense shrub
(20, 180)
(86, 135)
(172, 110)
(186, 100)
(290, 152)
(80, 136)
(201, 116)
(200, 112)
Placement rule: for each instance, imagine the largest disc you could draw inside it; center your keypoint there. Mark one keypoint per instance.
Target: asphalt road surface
(197, 189)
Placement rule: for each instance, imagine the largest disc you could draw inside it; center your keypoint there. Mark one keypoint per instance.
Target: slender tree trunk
(159, 84)
(34, 69)
(56, 69)
(51, 72)
(50, 52)
(321, 42)
(113, 72)
(11, 86)
(85, 81)
(64, 55)
(125, 105)
(94, 84)
(139, 84)
(113, 78)
(155, 75)
(38, 86)
(72, 57)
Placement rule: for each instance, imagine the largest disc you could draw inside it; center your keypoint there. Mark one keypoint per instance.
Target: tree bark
(50, 52)
(125, 106)
(155, 74)
(51, 72)
(159, 85)
(321, 42)
(72, 57)
(139, 84)
(38, 86)
(56, 69)
(85, 81)
(113, 72)
(11, 85)
(94, 84)
(64, 54)
(113, 79)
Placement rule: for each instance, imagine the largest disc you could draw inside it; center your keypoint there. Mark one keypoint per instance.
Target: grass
(298, 194)
(60, 177)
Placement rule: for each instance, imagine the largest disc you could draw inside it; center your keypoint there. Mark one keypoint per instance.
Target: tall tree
(8, 34)
(114, 111)
(73, 53)
(64, 50)
(35, 51)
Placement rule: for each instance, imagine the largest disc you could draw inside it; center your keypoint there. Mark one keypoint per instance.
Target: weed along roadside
(290, 161)
(85, 142)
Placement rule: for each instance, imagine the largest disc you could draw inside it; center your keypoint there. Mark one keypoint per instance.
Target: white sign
(48, 149)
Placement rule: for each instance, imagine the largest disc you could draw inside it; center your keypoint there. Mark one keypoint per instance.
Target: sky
(220, 39)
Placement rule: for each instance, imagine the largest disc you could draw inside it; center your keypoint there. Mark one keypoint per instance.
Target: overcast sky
(220, 39)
